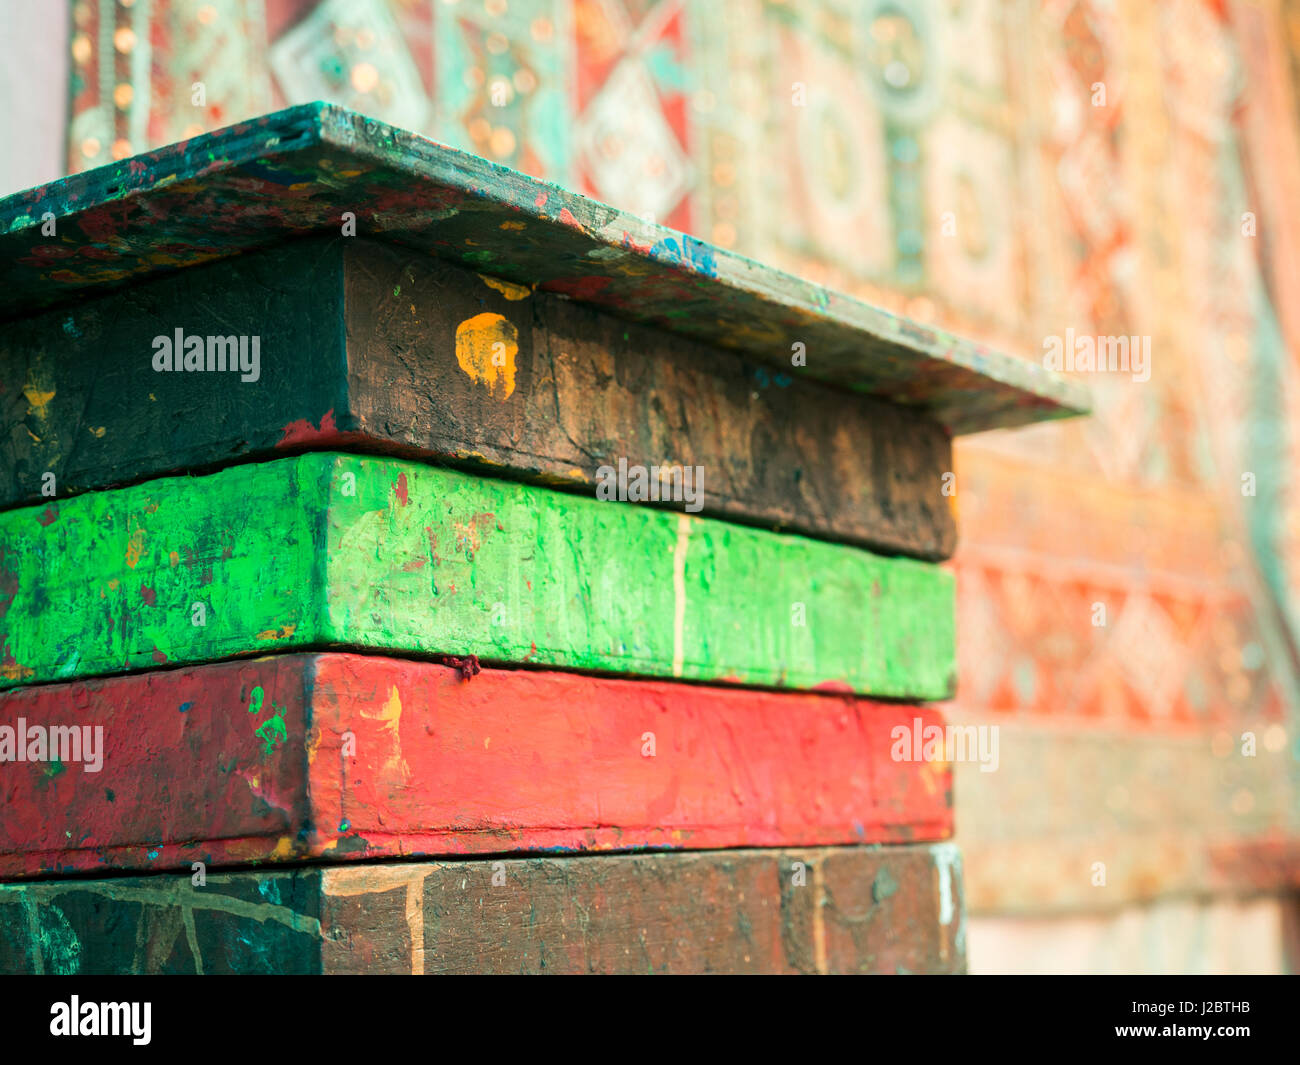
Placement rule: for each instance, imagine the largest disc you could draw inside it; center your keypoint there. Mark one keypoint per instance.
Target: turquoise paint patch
(686, 251)
(57, 942)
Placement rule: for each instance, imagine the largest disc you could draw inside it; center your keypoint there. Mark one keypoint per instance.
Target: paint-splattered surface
(394, 555)
(300, 170)
(835, 910)
(344, 757)
(364, 346)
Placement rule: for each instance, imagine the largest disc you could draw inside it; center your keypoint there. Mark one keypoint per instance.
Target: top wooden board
(297, 171)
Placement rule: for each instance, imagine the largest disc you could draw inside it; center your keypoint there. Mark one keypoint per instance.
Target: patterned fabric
(1011, 169)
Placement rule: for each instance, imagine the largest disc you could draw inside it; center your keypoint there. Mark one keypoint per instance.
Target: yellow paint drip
(38, 399)
(508, 289)
(390, 718)
(565, 477)
(134, 544)
(282, 633)
(486, 346)
(15, 671)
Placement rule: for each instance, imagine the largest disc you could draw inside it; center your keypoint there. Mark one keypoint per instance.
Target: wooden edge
(158, 211)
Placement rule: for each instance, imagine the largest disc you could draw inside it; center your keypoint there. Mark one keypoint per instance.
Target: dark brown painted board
(590, 389)
(831, 910)
(299, 170)
(374, 347)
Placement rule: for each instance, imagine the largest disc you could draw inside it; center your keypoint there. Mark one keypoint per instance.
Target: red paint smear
(400, 489)
(580, 288)
(48, 516)
(303, 432)
(630, 242)
(541, 200)
(835, 687)
(149, 596)
(158, 657)
(567, 218)
(475, 531)
(8, 587)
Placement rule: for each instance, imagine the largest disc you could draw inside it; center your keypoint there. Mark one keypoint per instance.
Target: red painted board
(352, 756)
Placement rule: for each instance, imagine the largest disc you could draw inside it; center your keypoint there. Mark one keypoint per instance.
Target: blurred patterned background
(1009, 169)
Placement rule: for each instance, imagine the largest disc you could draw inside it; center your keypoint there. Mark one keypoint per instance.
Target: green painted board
(325, 549)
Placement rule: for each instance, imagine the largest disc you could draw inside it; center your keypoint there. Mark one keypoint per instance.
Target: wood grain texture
(348, 756)
(835, 910)
(358, 345)
(775, 449)
(298, 171)
(329, 549)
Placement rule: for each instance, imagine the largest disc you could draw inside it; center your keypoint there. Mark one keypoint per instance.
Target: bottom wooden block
(839, 909)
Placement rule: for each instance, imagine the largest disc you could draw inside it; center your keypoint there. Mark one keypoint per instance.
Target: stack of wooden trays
(336, 606)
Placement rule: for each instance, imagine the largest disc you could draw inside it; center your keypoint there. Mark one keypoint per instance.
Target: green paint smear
(273, 731)
(302, 554)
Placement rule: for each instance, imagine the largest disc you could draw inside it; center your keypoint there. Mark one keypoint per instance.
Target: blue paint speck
(781, 380)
